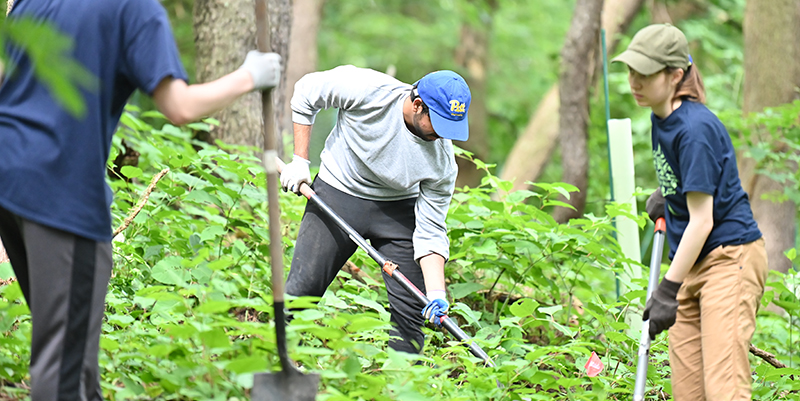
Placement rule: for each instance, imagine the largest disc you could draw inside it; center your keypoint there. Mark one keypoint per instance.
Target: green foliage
(51, 56)
(772, 139)
(416, 37)
(189, 312)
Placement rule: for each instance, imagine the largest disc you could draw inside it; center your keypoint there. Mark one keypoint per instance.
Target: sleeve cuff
(303, 119)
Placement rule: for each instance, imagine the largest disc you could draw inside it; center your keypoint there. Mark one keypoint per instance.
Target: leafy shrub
(189, 312)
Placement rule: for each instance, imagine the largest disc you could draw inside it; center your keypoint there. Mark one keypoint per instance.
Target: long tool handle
(274, 212)
(390, 269)
(644, 342)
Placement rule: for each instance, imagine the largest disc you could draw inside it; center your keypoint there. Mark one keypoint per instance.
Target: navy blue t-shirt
(693, 152)
(53, 165)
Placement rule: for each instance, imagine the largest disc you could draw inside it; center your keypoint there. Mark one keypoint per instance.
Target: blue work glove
(662, 307)
(436, 308)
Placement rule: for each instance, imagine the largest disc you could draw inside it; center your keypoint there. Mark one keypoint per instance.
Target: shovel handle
(644, 342)
(389, 268)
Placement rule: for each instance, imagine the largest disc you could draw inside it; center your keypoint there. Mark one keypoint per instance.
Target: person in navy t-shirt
(709, 296)
(55, 221)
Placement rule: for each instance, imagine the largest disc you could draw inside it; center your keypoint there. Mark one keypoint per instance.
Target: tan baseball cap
(656, 47)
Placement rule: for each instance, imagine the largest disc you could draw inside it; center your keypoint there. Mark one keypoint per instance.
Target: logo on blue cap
(447, 96)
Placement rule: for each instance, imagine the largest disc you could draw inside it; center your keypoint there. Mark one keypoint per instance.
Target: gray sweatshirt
(371, 154)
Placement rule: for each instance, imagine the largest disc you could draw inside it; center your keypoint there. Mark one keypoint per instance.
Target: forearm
(432, 266)
(691, 244)
(302, 138)
(182, 103)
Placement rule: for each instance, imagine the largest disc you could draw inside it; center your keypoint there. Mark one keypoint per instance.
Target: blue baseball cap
(447, 96)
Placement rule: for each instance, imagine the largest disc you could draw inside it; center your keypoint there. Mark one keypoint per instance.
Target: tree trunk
(535, 145)
(577, 67)
(306, 15)
(472, 54)
(280, 24)
(772, 56)
(224, 33)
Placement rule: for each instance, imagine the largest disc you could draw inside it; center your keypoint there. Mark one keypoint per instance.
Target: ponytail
(691, 85)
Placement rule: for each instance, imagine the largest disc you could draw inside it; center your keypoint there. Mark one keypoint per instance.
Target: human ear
(417, 105)
(677, 76)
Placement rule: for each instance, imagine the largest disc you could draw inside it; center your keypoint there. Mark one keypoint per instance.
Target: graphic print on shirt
(666, 177)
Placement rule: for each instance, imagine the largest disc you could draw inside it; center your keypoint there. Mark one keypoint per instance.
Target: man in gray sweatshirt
(388, 169)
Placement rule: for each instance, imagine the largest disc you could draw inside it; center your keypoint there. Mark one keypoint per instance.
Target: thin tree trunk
(577, 66)
(772, 56)
(280, 23)
(534, 146)
(306, 16)
(472, 54)
(224, 33)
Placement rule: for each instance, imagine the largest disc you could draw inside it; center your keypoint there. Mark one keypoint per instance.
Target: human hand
(295, 173)
(655, 205)
(436, 308)
(265, 68)
(662, 307)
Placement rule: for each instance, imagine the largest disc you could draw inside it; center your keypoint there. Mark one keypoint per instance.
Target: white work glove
(437, 307)
(295, 173)
(265, 68)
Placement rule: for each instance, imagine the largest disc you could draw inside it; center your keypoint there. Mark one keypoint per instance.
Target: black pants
(322, 249)
(64, 279)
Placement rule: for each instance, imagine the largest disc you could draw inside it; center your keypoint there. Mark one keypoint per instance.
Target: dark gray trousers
(64, 279)
(322, 248)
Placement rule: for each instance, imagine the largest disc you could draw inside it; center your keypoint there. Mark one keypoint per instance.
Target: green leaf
(461, 290)
(557, 203)
(212, 232)
(767, 298)
(131, 172)
(121, 320)
(550, 310)
(523, 308)
(213, 307)
(215, 338)
(616, 337)
(563, 329)
(365, 323)
(488, 247)
(247, 364)
(788, 305)
(352, 366)
(169, 271)
(791, 254)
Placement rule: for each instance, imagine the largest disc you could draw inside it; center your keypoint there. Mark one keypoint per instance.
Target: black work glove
(655, 205)
(662, 307)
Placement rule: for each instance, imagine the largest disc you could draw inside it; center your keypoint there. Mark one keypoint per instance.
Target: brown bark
(306, 16)
(771, 35)
(472, 55)
(577, 55)
(224, 33)
(667, 12)
(534, 146)
(280, 23)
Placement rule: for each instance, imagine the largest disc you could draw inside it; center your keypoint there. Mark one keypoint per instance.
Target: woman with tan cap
(709, 296)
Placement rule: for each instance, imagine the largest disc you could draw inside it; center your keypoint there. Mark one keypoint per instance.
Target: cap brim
(449, 129)
(639, 62)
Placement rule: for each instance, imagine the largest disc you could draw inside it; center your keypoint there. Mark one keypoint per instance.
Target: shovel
(644, 343)
(289, 384)
(390, 268)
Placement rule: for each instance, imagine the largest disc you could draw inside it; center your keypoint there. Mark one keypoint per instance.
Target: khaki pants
(709, 343)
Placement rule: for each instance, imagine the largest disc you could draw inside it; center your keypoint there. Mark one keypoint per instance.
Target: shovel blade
(285, 386)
